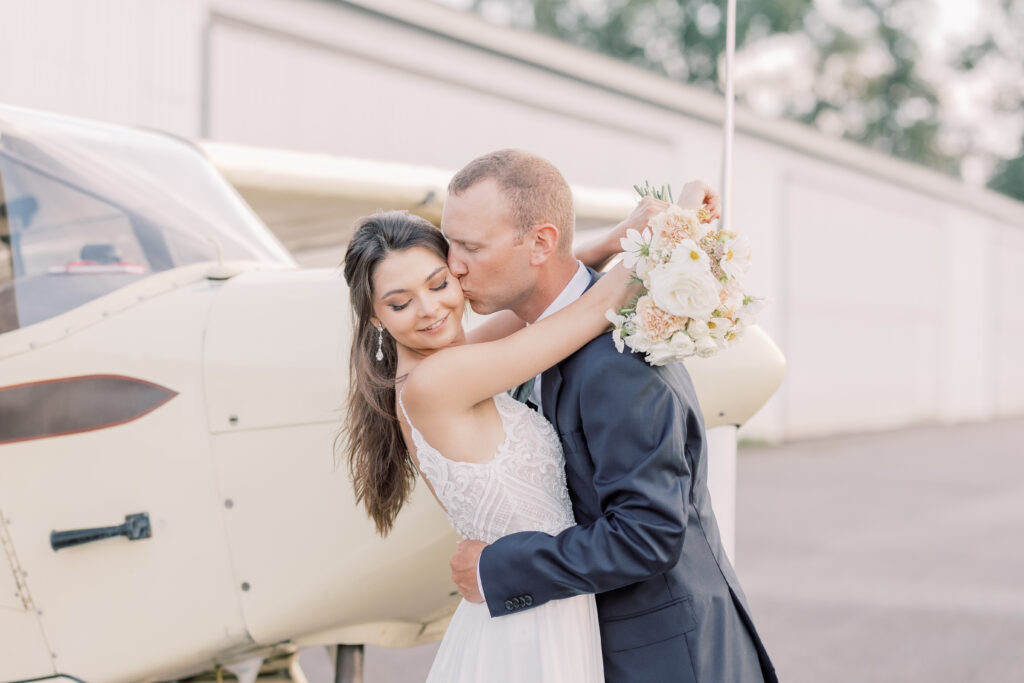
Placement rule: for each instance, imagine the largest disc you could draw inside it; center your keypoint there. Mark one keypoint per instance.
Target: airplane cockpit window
(8, 314)
(87, 208)
(66, 248)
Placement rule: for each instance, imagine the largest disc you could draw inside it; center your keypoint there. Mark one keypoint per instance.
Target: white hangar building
(895, 291)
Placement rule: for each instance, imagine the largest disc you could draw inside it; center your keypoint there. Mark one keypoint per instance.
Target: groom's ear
(544, 243)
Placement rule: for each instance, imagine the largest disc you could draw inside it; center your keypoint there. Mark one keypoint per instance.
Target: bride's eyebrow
(427, 279)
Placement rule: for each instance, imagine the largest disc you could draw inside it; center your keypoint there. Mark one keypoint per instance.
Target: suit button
(508, 606)
(528, 600)
(518, 602)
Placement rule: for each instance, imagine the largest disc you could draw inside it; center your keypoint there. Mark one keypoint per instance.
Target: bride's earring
(380, 342)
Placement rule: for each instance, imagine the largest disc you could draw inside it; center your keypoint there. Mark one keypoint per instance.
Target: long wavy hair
(383, 473)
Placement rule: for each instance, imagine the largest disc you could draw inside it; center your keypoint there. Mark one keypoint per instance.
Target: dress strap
(402, 406)
(417, 437)
(431, 463)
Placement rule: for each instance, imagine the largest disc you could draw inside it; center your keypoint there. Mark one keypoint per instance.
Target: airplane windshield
(86, 209)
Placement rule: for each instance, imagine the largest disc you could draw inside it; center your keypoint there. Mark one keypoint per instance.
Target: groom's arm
(634, 428)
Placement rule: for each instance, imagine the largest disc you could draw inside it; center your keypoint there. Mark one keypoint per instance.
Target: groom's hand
(463, 565)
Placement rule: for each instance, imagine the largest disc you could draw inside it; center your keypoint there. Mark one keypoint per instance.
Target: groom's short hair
(536, 191)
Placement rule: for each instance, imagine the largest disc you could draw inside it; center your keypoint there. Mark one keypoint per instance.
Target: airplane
(171, 387)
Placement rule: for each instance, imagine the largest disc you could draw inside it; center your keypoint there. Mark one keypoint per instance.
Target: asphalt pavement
(880, 558)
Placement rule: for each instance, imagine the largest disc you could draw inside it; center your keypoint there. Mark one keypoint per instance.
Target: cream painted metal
(19, 619)
(257, 546)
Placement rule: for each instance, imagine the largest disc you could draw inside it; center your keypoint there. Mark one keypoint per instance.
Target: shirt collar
(574, 290)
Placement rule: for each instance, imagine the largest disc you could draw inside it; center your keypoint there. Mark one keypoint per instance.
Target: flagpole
(729, 124)
(724, 438)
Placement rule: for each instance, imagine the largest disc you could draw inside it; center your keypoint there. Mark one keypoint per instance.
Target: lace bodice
(521, 489)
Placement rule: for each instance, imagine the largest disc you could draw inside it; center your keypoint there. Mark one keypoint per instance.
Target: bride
(427, 395)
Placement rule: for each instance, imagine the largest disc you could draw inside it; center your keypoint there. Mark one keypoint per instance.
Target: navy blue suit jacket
(646, 541)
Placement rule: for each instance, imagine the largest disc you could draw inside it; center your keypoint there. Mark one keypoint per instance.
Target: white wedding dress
(521, 489)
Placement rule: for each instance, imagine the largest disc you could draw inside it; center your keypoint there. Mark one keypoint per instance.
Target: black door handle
(135, 527)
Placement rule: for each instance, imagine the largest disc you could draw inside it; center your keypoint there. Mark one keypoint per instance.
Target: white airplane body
(170, 500)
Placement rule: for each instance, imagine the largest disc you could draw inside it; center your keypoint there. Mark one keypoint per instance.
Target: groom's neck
(552, 279)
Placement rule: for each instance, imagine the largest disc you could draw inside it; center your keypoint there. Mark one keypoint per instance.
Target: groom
(647, 542)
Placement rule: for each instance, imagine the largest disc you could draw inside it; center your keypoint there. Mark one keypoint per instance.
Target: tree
(1009, 177)
(852, 68)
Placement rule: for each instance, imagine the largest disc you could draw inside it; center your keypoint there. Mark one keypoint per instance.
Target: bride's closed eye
(438, 288)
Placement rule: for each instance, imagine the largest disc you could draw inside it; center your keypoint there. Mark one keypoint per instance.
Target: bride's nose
(429, 305)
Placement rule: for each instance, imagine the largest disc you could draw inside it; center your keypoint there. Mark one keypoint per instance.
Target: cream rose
(684, 287)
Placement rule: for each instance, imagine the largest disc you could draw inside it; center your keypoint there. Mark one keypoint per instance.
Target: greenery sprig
(664, 193)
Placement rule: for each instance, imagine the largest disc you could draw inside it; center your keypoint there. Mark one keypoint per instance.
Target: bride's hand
(696, 194)
(598, 251)
(646, 209)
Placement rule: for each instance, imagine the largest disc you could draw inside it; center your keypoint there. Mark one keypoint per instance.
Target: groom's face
(485, 251)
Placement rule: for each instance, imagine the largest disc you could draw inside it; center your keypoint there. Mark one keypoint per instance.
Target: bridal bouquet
(693, 300)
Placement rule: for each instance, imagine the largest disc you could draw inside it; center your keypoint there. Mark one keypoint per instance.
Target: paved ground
(895, 557)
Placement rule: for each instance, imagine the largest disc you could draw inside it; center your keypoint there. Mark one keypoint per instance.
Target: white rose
(677, 348)
(660, 353)
(684, 287)
(682, 345)
(638, 341)
(706, 347)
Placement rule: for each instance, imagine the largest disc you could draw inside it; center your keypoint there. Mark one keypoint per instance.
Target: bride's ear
(544, 243)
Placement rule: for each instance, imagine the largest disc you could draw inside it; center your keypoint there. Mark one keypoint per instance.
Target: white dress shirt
(572, 291)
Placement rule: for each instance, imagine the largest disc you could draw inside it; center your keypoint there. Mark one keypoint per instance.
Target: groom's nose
(456, 266)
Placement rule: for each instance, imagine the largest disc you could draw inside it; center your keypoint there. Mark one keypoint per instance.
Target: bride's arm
(468, 374)
(497, 326)
(599, 250)
(594, 253)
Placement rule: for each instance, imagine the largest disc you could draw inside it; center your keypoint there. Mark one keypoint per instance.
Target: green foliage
(893, 108)
(1009, 177)
(663, 193)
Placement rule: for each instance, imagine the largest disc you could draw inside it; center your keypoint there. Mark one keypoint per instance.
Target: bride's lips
(436, 325)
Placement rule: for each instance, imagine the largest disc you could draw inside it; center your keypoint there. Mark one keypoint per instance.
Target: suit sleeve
(634, 429)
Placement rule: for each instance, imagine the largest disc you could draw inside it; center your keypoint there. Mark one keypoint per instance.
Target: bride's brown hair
(383, 473)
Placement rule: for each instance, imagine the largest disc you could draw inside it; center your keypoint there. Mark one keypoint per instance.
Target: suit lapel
(550, 383)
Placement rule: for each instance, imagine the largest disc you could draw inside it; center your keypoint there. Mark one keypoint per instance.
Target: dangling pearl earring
(380, 342)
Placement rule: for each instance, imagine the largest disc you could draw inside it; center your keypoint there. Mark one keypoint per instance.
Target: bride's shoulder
(426, 380)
